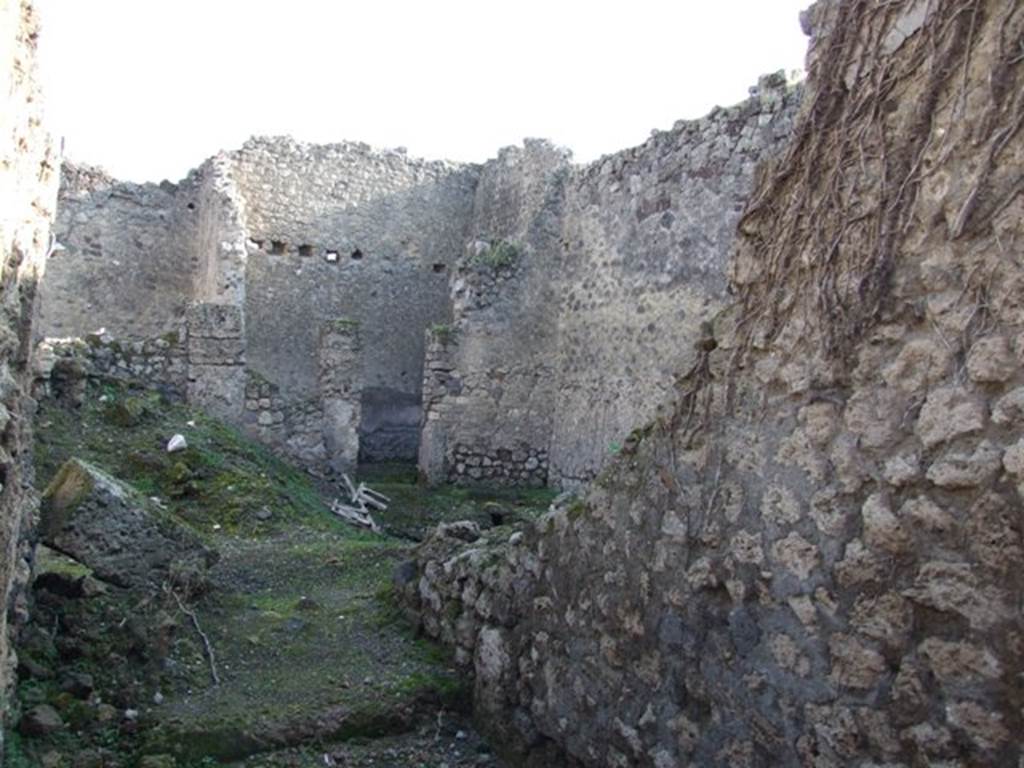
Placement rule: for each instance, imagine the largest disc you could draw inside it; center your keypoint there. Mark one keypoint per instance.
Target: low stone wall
(159, 363)
(497, 465)
(177, 365)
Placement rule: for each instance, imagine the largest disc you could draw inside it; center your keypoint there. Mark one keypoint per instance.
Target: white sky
(150, 88)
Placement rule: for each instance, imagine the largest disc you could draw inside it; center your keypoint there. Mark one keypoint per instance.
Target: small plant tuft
(345, 325)
(443, 332)
(500, 254)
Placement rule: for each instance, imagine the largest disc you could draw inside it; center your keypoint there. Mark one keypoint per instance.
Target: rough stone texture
(61, 366)
(341, 393)
(811, 557)
(28, 188)
(544, 271)
(216, 359)
(122, 537)
(128, 265)
(561, 345)
(293, 236)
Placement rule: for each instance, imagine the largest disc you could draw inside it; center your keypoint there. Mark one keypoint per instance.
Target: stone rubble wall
(559, 350)
(128, 265)
(646, 236)
(559, 353)
(293, 236)
(221, 238)
(812, 556)
(345, 231)
(29, 177)
(341, 393)
(216, 359)
(160, 363)
(296, 428)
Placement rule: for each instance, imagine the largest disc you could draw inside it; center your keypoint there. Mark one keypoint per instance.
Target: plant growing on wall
(443, 332)
(345, 325)
(499, 253)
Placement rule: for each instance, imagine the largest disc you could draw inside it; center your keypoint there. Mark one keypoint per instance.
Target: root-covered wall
(28, 187)
(813, 556)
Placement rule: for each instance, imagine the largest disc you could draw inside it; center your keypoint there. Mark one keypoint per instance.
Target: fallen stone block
(109, 527)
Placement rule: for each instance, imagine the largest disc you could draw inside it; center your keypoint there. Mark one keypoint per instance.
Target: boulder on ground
(123, 537)
(41, 720)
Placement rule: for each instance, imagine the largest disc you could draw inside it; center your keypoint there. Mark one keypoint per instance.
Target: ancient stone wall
(341, 393)
(579, 298)
(572, 293)
(504, 309)
(28, 188)
(220, 243)
(342, 231)
(489, 420)
(216, 359)
(293, 238)
(811, 557)
(646, 237)
(128, 265)
(160, 363)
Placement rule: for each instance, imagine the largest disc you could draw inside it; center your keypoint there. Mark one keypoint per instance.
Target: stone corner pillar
(439, 382)
(216, 359)
(341, 392)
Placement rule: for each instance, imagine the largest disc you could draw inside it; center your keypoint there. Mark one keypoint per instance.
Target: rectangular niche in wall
(278, 247)
(305, 250)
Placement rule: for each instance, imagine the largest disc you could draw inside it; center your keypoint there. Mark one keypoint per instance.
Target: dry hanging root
(828, 218)
(207, 646)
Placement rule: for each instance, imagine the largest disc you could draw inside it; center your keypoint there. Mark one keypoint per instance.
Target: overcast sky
(149, 88)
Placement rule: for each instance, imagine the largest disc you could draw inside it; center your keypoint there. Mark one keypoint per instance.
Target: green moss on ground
(415, 507)
(310, 645)
(222, 478)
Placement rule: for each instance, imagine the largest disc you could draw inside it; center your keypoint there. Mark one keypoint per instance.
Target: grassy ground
(221, 479)
(314, 664)
(415, 508)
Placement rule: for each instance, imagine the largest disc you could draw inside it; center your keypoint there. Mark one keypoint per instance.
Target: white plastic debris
(177, 443)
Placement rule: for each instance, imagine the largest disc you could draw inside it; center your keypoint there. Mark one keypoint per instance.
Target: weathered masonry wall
(128, 263)
(343, 232)
(577, 302)
(28, 187)
(812, 557)
(160, 363)
(288, 239)
(646, 236)
(570, 295)
(489, 419)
